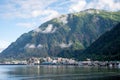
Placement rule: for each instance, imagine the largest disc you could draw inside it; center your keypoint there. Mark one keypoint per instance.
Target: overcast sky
(20, 16)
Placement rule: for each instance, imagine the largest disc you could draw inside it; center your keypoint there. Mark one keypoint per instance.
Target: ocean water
(54, 72)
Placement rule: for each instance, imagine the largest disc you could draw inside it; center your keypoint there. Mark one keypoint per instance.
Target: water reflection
(27, 72)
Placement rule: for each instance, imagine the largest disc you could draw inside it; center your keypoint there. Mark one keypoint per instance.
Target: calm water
(27, 72)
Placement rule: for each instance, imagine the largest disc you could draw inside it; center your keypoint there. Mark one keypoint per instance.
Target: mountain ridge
(107, 46)
(72, 31)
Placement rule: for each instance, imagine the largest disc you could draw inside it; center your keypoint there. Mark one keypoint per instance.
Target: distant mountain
(72, 32)
(107, 47)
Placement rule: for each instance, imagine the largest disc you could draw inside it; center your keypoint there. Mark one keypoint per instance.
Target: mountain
(72, 32)
(106, 47)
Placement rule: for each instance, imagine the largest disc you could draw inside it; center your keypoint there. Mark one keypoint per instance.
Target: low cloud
(37, 30)
(78, 5)
(33, 46)
(63, 19)
(1, 49)
(39, 46)
(64, 45)
(3, 45)
(48, 15)
(48, 29)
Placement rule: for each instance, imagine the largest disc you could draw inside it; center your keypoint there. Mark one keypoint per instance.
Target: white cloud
(36, 13)
(48, 15)
(64, 45)
(63, 19)
(1, 49)
(27, 8)
(31, 46)
(27, 25)
(54, 30)
(48, 29)
(33, 4)
(37, 30)
(3, 45)
(39, 46)
(78, 5)
(111, 5)
(46, 11)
